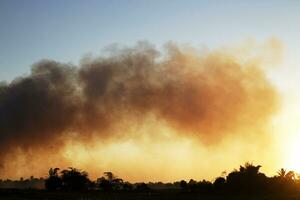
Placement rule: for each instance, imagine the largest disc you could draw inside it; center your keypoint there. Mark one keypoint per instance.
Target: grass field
(96, 195)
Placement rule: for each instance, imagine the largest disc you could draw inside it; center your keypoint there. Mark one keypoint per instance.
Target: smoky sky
(205, 95)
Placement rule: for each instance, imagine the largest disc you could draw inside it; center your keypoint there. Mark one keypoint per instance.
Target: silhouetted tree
(53, 182)
(290, 175)
(109, 176)
(183, 184)
(142, 187)
(204, 187)
(127, 186)
(281, 173)
(285, 181)
(192, 185)
(110, 182)
(219, 184)
(104, 184)
(74, 179)
(117, 184)
(247, 179)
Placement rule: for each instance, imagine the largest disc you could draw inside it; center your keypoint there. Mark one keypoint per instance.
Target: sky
(65, 31)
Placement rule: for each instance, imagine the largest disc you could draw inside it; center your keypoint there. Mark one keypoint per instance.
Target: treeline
(245, 180)
(73, 179)
(28, 183)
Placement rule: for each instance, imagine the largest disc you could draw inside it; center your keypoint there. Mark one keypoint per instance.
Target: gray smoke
(206, 95)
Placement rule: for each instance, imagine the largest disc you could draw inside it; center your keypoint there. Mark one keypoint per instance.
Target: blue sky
(65, 30)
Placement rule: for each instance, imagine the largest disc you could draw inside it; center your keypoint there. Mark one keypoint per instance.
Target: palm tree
(53, 171)
(290, 175)
(109, 175)
(247, 179)
(249, 168)
(281, 173)
(53, 182)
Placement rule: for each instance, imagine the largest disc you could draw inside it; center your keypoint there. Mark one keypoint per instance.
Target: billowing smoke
(200, 94)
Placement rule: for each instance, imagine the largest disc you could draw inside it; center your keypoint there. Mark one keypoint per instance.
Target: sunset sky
(227, 91)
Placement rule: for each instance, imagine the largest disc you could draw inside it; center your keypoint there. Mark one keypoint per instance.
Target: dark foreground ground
(163, 195)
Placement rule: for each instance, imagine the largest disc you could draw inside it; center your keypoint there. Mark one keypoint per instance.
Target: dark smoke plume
(206, 95)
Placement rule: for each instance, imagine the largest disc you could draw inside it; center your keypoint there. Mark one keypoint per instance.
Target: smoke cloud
(205, 95)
